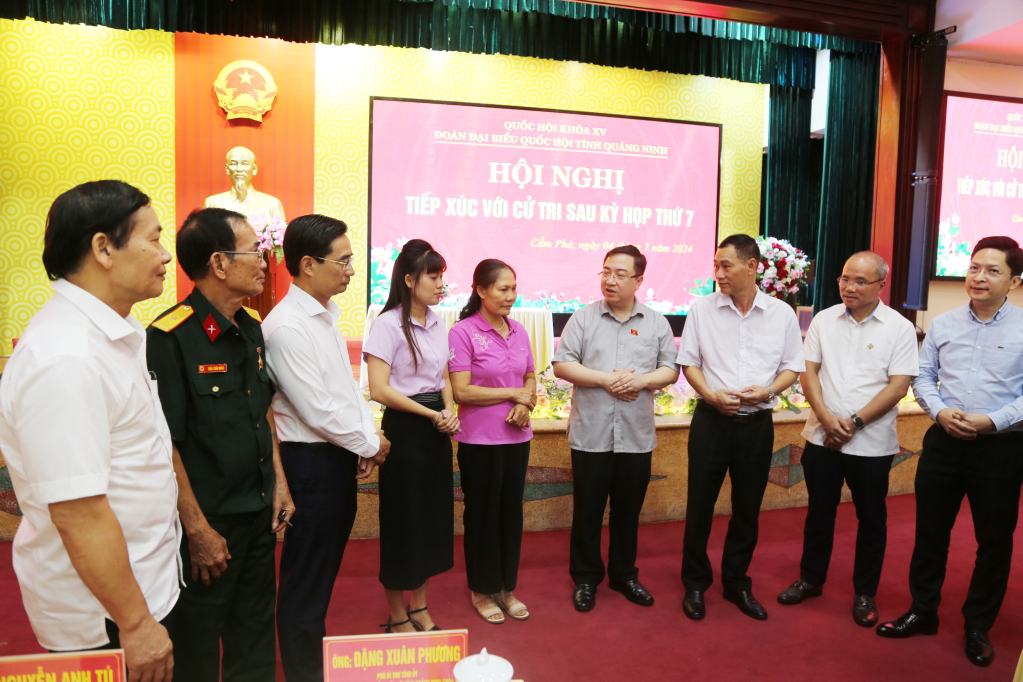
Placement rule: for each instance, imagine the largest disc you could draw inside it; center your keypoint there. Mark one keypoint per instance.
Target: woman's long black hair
(485, 274)
(416, 257)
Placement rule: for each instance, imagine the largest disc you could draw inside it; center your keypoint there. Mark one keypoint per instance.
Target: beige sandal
(487, 613)
(512, 606)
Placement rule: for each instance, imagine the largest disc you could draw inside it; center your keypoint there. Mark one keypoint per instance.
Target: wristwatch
(858, 422)
(770, 395)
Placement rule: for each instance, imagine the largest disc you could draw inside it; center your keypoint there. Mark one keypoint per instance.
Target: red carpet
(619, 641)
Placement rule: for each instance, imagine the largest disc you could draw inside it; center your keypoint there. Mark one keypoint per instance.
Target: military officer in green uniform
(207, 357)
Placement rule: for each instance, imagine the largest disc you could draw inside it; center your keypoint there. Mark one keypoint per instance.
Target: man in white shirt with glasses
(860, 359)
(328, 435)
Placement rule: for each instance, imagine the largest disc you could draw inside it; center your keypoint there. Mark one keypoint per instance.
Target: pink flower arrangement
(270, 231)
(782, 267)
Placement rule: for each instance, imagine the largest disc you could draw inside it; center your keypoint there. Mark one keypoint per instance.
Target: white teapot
(483, 667)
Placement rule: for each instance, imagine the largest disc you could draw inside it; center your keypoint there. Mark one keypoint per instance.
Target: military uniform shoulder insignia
(253, 314)
(174, 318)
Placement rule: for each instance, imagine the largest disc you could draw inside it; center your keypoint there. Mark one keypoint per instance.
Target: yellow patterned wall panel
(347, 76)
(77, 103)
(80, 103)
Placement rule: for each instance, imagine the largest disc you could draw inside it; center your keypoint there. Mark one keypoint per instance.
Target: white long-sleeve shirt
(317, 399)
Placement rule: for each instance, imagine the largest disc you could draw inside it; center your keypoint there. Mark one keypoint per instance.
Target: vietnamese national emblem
(245, 90)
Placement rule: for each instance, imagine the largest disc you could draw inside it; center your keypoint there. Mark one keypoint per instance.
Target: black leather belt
(737, 418)
(427, 398)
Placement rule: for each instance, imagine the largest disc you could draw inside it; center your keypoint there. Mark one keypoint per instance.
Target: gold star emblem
(246, 77)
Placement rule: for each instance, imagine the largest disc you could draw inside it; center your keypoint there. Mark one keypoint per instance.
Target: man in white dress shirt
(327, 432)
(86, 442)
(860, 357)
(739, 349)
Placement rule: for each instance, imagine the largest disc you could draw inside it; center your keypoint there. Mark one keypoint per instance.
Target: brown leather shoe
(864, 611)
(798, 591)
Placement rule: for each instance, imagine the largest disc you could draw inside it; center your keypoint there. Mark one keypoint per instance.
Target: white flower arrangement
(782, 267)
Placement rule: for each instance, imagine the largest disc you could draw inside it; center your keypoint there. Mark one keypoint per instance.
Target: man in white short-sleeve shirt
(860, 358)
(86, 442)
(739, 349)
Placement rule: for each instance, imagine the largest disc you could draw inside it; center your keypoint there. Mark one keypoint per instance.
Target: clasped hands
(446, 421)
(625, 384)
(525, 401)
(963, 426)
(837, 430)
(728, 402)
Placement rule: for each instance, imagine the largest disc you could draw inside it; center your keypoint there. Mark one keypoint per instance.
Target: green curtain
(847, 180)
(788, 192)
(676, 23)
(545, 29)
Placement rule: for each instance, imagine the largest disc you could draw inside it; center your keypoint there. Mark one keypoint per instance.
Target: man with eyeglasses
(860, 358)
(616, 352)
(971, 383)
(740, 348)
(328, 435)
(207, 355)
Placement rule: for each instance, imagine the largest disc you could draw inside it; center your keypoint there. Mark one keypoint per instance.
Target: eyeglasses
(615, 277)
(845, 283)
(260, 254)
(344, 262)
(976, 270)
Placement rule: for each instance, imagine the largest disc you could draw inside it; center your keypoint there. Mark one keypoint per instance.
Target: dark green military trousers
(235, 610)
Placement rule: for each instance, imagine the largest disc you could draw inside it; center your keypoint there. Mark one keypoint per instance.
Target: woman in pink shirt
(407, 358)
(494, 382)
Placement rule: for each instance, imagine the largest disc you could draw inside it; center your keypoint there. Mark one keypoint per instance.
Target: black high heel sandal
(388, 625)
(417, 626)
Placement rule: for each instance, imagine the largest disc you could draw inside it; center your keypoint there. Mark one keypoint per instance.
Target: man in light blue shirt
(971, 383)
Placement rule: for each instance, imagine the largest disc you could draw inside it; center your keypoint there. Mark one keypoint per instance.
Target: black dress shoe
(978, 648)
(907, 625)
(747, 603)
(864, 611)
(692, 605)
(633, 591)
(585, 597)
(798, 591)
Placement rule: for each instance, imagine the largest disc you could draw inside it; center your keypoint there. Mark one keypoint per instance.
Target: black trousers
(989, 471)
(321, 477)
(493, 480)
(235, 611)
(622, 478)
(717, 445)
(867, 478)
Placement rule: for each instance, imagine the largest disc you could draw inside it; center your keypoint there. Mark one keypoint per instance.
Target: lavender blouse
(387, 342)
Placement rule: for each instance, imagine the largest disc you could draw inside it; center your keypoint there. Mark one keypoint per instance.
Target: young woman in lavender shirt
(407, 358)
(494, 382)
